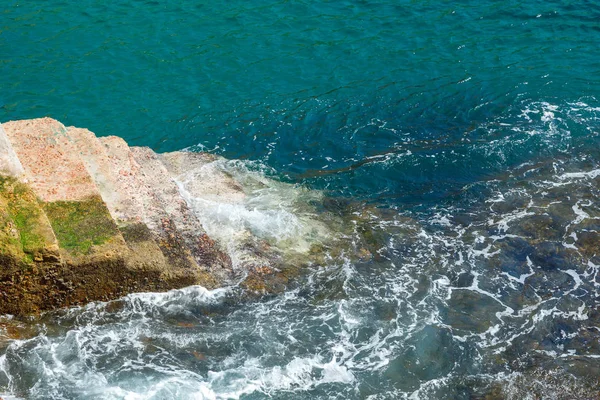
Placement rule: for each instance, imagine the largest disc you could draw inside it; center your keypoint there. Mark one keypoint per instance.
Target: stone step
(128, 213)
(145, 204)
(70, 199)
(155, 176)
(82, 220)
(54, 171)
(92, 154)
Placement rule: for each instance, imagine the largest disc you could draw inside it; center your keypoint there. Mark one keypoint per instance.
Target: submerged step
(202, 178)
(220, 199)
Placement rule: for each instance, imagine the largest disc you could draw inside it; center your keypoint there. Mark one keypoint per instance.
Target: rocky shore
(84, 218)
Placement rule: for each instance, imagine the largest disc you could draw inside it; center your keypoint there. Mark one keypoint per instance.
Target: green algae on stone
(21, 219)
(79, 225)
(135, 233)
(8, 231)
(10, 245)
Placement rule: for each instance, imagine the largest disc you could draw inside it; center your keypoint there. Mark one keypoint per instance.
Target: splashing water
(486, 294)
(439, 162)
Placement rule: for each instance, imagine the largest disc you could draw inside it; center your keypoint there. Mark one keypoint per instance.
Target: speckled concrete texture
(53, 169)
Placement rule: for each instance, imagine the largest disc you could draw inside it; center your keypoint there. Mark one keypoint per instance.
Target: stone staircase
(85, 218)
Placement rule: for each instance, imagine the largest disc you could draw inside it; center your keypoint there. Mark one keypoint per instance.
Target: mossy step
(69, 196)
(81, 225)
(25, 229)
(11, 248)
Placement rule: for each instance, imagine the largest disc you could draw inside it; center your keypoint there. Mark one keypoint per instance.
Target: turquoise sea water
(468, 132)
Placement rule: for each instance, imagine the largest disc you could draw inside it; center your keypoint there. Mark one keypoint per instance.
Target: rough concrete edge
(9, 162)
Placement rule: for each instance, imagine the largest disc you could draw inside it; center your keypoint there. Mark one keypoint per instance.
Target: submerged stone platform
(85, 218)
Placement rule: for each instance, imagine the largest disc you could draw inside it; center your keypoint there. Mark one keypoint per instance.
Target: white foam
(548, 112)
(581, 215)
(580, 175)
(503, 223)
(300, 374)
(521, 279)
(441, 220)
(8, 396)
(186, 296)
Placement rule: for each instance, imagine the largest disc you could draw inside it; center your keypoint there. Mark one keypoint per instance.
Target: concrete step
(154, 175)
(70, 199)
(145, 203)
(53, 170)
(127, 212)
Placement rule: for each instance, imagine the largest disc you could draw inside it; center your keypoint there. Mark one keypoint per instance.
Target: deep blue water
(477, 121)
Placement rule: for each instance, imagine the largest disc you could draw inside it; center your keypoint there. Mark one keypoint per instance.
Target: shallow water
(451, 150)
